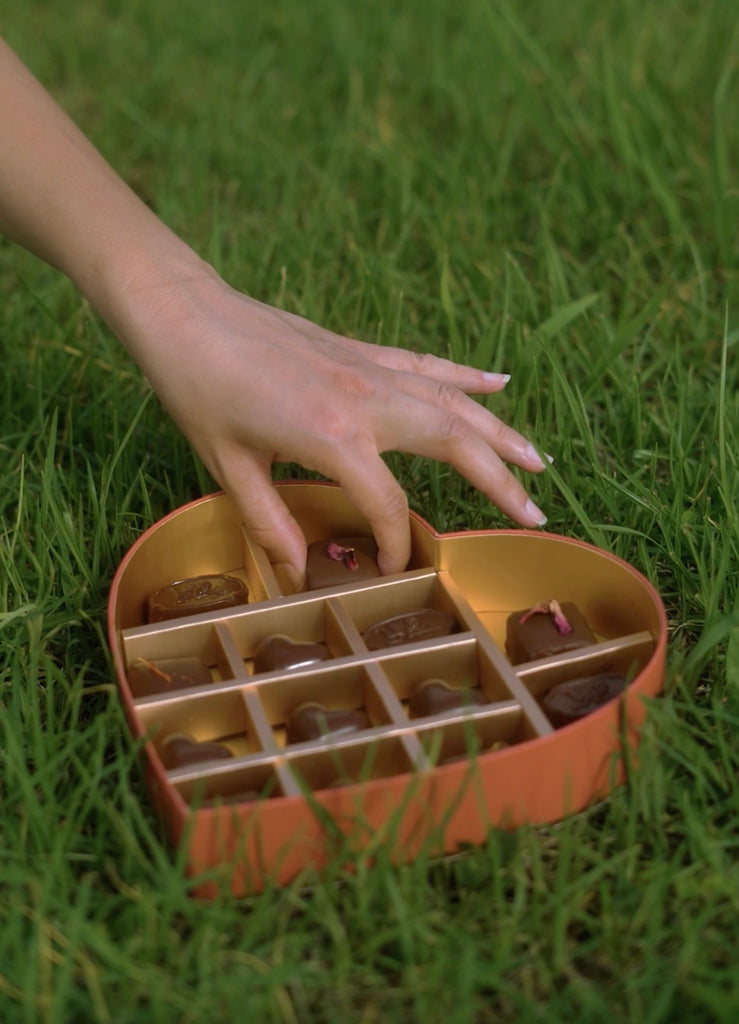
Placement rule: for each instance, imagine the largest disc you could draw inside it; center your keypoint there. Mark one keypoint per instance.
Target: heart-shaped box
(249, 806)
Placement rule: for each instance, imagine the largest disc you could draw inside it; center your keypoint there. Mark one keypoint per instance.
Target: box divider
(397, 716)
(262, 581)
(259, 722)
(286, 779)
(539, 676)
(338, 621)
(538, 723)
(230, 655)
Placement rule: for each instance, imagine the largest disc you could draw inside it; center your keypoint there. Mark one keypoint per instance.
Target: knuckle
(334, 427)
(395, 505)
(448, 396)
(453, 431)
(497, 433)
(421, 363)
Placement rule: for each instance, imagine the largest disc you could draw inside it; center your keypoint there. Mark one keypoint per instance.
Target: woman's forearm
(61, 200)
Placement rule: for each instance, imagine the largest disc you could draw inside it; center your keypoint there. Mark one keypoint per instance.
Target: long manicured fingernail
(534, 459)
(497, 378)
(534, 513)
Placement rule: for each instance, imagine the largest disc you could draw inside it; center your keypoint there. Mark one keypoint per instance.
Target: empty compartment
(351, 761)
(484, 732)
(460, 666)
(321, 705)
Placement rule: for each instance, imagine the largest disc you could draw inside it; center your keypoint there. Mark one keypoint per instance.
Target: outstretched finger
(431, 410)
(436, 433)
(435, 368)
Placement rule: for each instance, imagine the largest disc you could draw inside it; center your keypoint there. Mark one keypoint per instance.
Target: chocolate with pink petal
(544, 630)
(341, 560)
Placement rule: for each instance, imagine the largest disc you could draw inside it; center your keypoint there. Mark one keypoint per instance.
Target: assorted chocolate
(424, 624)
(334, 563)
(541, 631)
(436, 696)
(570, 701)
(312, 721)
(147, 678)
(196, 594)
(544, 630)
(279, 653)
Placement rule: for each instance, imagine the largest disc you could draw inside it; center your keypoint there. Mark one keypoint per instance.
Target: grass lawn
(545, 189)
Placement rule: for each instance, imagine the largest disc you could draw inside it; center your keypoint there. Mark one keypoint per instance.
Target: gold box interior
(479, 578)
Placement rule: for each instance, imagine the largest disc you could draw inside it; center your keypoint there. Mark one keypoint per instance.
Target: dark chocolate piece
(196, 594)
(279, 652)
(570, 701)
(332, 563)
(435, 696)
(180, 751)
(533, 633)
(149, 677)
(314, 722)
(423, 624)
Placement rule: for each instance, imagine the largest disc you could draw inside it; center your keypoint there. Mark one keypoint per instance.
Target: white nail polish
(497, 378)
(535, 513)
(533, 457)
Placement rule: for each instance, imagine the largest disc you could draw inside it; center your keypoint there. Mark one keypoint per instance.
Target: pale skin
(248, 384)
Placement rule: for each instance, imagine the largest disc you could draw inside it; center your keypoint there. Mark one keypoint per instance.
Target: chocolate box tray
(429, 783)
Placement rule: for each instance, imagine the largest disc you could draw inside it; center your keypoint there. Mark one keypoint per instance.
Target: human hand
(250, 385)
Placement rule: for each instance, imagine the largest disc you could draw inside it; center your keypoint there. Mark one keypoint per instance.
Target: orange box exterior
(540, 775)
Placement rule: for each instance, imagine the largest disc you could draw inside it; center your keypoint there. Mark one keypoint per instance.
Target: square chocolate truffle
(544, 630)
(333, 563)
